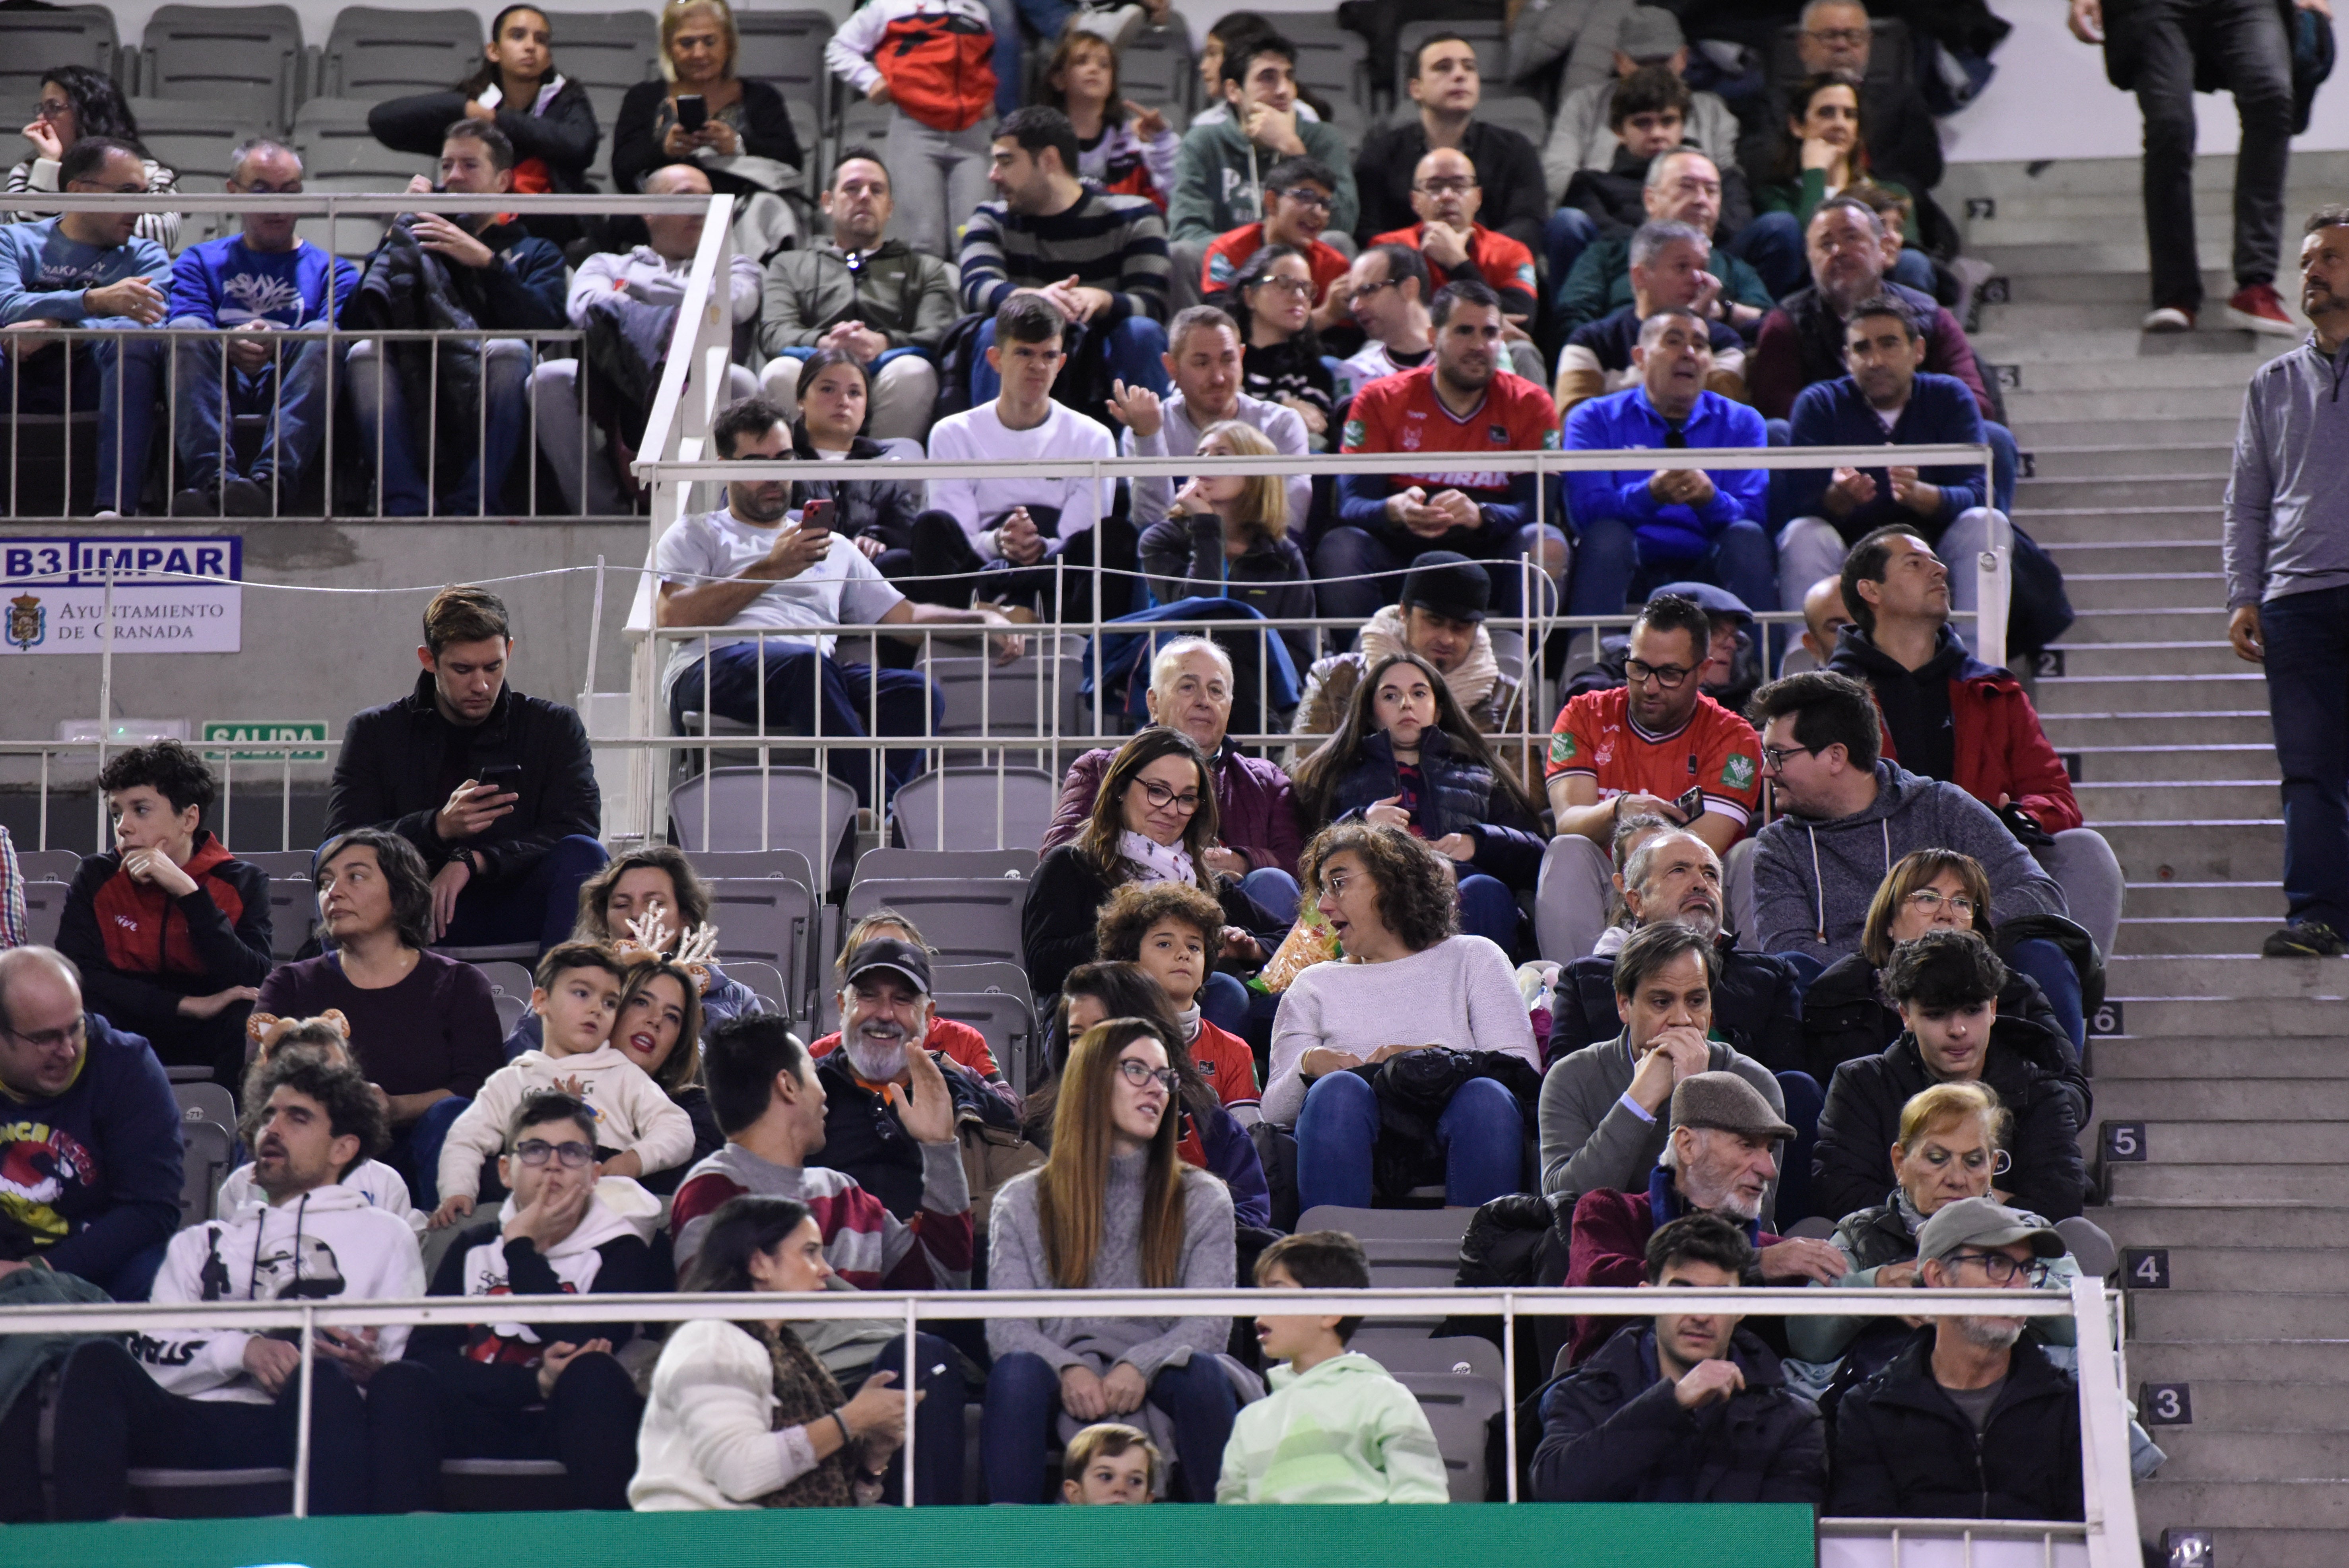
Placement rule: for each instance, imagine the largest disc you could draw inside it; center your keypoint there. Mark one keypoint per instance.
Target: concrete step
(2247, 1548)
(2244, 980)
(2163, 763)
(2194, 934)
(2027, 406)
(2210, 899)
(2106, 306)
(2313, 1506)
(2125, 461)
(2104, 286)
(2169, 656)
(2189, 1116)
(2234, 1314)
(2232, 692)
(2195, 1183)
(2173, 496)
(2195, 799)
(2197, 1229)
(2283, 1268)
(2126, 1065)
(2015, 186)
(2061, 427)
(2203, 1453)
(2101, 556)
(2199, 1020)
(2248, 851)
(2102, 252)
(2194, 623)
(2070, 731)
(2031, 335)
(2142, 373)
(2218, 1137)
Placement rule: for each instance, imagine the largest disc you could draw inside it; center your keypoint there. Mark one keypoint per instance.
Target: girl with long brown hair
(1113, 1209)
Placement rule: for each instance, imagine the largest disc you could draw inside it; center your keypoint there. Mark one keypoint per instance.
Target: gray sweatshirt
(1813, 880)
(1016, 1261)
(2287, 501)
(1592, 1137)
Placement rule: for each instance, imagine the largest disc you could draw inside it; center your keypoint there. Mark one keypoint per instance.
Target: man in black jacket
(1970, 1420)
(495, 790)
(513, 1390)
(1447, 87)
(1690, 1410)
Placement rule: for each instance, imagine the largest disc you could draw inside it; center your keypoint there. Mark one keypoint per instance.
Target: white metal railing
(2109, 1529)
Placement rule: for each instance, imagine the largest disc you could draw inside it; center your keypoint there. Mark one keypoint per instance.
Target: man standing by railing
(266, 276)
(88, 269)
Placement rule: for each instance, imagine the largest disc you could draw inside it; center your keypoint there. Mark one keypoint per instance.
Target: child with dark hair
(639, 1129)
(1371, 1443)
(170, 930)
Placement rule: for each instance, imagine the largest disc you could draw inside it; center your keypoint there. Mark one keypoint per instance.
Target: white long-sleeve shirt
(707, 1440)
(631, 1112)
(1063, 438)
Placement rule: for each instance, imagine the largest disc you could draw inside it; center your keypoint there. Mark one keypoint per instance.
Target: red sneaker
(2259, 307)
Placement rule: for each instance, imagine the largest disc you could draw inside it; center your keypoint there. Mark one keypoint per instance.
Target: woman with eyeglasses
(1113, 1208)
(1951, 1148)
(1407, 757)
(1272, 297)
(77, 101)
(1945, 984)
(1845, 1015)
(1154, 819)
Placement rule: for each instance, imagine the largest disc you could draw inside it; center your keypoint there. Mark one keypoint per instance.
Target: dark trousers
(804, 699)
(1023, 1395)
(2245, 40)
(937, 1419)
(950, 571)
(540, 905)
(1805, 1101)
(2306, 636)
(368, 1454)
(589, 1423)
(1347, 557)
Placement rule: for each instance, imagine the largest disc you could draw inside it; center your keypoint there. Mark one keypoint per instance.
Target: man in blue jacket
(89, 1135)
(1888, 397)
(484, 266)
(1665, 523)
(89, 270)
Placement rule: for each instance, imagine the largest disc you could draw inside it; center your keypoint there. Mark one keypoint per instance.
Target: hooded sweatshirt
(1345, 1432)
(330, 1243)
(631, 1112)
(371, 1179)
(140, 950)
(1219, 179)
(1813, 877)
(90, 1176)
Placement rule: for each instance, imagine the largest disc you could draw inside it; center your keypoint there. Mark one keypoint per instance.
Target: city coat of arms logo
(28, 624)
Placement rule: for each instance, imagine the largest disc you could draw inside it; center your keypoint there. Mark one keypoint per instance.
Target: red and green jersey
(1715, 751)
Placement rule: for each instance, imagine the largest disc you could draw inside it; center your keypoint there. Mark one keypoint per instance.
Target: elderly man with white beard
(885, 1004)
(1971, 1419)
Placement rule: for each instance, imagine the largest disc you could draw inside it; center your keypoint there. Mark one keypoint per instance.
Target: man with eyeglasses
(265, 277)
(1446, 195)
(86, 270)
(1970, 1420)
(1299, 193)
(1386, 292)
(1445, 82)
(89, 1135)
(518, 1390)
(1221, 178)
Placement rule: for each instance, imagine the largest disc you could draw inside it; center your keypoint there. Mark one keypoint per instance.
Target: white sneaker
(108, 511)
(1117, 24)
(2169, 318)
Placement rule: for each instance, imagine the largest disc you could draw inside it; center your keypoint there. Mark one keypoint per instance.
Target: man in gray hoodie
(1848, 816)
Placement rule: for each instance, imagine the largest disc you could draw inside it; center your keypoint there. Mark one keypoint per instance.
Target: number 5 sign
(2124, 1140)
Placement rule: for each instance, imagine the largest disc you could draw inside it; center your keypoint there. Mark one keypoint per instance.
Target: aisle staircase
(2225, 1075)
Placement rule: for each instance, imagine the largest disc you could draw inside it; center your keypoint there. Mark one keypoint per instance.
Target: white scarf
(1158, 863)
(1471, 683)
(494, 94)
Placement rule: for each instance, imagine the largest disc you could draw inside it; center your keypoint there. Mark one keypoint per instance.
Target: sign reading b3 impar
(171, 595)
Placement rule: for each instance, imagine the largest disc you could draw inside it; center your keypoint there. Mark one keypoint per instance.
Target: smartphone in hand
(692, 113)
(499, 778)
(1691, 805)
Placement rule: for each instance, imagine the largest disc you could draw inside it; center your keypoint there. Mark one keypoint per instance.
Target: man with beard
(884, 1007)
(1718, 1160)
(1693, 1409)
(1970, 1420)
(1602, 1105)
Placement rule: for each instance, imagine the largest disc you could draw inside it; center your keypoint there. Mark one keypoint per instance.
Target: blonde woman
(1226, 536)
(744, 130)
(1113, 1209)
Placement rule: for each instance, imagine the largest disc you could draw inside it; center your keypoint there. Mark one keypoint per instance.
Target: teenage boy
(577, 998)
(1297, 195)
(1110, 1463)
(1337, 1427)
(1220, 183)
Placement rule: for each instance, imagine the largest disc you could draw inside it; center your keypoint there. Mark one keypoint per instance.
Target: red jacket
(2000, 747)
(1609, 1247)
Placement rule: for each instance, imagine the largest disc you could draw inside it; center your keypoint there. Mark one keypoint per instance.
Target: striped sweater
(867, 1246)
(1113, 243)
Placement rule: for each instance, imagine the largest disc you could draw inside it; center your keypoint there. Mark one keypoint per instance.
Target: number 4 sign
(2188, 1549)
(2146, 1268)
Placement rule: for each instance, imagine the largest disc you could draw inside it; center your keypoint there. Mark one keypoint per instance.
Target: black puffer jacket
(563, 138)
(1903, 1451)
(1458, 796)
(879, 508)
(1754, 999)
(1852, 1168)
(1613, 1432)
(1844, 1017)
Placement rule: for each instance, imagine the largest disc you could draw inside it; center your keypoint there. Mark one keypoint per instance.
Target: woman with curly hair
(1407, 981)
(77, 101)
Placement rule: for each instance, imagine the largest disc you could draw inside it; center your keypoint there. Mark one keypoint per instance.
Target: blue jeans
(380, 404)
(1483, 1139)
(540, 905)
(1023, 1394)
(1003, 17)
(1607, 565)
(937, 1419)
(2307, 640)
(803, 702)
(1773, 246)
(121, 382)
(1356, 553)
(1489, 910)
(1224, 1002)
(2002, 464)
(1274, 890)
(1565, 236)
(2045, 961)
(1805, 1101)
(289, 395)
(1132, 348)
(417, 1148)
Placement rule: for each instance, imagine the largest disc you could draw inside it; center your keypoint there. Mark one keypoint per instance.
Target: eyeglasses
(1850, 37)
(1669, 677)
(1448, 186)
(536, 1151)
(1930, 899)
(1774, 756)
(2004, 1270)
(1295, 288)
(1138, 1073)
(1160, 797)
(1356, 296)
(52, 109)
(1306, 196)
(50, 1039)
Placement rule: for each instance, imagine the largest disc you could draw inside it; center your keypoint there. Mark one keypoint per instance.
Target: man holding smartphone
(750, 568)
(495, 789)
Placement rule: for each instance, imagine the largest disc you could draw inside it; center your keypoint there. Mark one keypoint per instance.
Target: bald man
(1445, 194)
(89, 1134)
(1824, 618)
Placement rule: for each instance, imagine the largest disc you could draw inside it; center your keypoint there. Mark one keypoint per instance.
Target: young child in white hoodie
(577, 1001)
(328, 1037)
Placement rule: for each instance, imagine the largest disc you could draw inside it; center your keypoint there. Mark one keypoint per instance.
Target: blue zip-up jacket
(1674, 532)
(43, 273)
(1940, 408)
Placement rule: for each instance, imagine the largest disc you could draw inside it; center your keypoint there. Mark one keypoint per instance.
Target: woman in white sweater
(741, 1415)
(1407, 981)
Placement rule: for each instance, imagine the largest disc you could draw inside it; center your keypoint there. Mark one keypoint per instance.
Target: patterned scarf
(804, 1392)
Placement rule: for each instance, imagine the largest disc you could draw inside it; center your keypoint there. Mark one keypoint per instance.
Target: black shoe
(245, 498)
(2309, 939)
(196, 500)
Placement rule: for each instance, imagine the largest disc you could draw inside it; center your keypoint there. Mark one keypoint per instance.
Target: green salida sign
(258, 740)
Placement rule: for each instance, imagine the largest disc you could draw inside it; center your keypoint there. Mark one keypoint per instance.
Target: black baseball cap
(897, 958)
(1447, 583)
